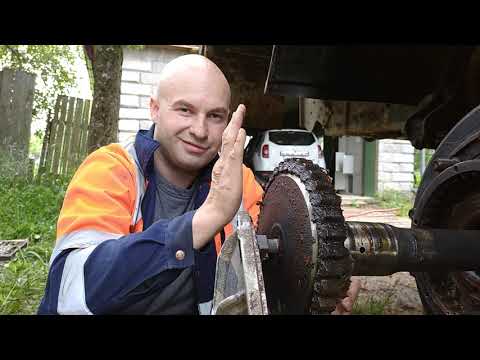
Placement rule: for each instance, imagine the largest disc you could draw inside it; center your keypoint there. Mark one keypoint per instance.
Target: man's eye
(184, 109)
(216, 116)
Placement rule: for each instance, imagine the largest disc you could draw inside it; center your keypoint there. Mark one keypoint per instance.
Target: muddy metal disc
(454, 205)
(311, 271)
(449, 197)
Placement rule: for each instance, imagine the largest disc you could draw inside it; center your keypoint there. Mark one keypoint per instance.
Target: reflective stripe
(129, 146)
(71, 297)
(205, 308)
(81, 239)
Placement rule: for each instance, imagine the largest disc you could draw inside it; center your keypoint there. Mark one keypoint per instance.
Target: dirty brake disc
(312, 269)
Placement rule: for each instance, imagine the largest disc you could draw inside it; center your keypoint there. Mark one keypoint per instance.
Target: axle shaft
(382, 249)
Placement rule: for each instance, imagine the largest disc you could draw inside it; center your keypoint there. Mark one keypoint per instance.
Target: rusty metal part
(311, 271)
(382, 249)
(267, 246)
(439, 84)
(451, 201)
(246, 67)
(252, 266)
(239, 285)
(398, 75)
(449, 197)
(354, 118)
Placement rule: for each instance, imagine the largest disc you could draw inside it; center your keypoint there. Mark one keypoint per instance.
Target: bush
(29, 211)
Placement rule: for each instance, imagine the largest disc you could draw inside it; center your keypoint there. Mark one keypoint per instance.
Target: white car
(265, 151)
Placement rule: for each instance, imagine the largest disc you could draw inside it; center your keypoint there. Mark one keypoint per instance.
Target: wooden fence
(16, 101)
(65, 142)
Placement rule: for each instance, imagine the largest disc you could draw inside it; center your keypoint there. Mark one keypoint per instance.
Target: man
(142, 223)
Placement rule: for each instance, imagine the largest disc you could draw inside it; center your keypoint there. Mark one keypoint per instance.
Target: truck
(429, 95)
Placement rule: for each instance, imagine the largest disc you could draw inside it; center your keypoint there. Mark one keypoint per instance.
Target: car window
(291, 138)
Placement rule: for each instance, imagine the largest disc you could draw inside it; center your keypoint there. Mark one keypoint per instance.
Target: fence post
(46, 139)
(75, 142)
(59, 138)
(52, 137)
(85, 131)
(67, 137)
(16, 101)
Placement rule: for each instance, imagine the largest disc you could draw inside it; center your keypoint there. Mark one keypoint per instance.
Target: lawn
(28, 210)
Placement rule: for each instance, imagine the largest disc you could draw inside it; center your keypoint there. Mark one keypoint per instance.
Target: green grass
(395, 199)
(372, 306)
(355, 204)
(28, 210)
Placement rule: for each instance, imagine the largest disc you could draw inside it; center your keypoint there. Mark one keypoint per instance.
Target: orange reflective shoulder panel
(101, 195)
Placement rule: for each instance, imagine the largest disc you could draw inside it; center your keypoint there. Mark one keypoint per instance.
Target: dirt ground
(400, 289)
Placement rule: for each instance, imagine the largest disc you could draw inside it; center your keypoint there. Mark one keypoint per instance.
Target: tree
(53, 65)
(106, 70)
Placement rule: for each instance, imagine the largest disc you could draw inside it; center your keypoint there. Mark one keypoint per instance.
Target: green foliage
(135, 47)
(29, 210)
(395, 199)
(22, 281)
(53, 65)
(36, 142)
(372, 305)
(355, 204)
(417, 163)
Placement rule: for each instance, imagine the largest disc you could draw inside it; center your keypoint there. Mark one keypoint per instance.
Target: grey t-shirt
(172, 201)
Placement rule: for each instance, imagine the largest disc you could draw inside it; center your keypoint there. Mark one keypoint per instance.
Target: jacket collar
(145, 146)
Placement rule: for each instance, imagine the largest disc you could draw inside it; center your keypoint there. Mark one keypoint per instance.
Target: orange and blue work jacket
(111, 257)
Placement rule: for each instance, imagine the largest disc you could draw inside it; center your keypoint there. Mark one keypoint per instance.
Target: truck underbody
(429, 95)
(408, 92)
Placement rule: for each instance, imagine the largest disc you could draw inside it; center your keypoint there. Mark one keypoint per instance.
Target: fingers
(354, 288)
(340, 310)
(239, 145)
(237, 119)
(231, 131)
(345, 306)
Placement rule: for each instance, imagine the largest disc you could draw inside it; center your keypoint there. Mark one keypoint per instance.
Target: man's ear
(154, 108)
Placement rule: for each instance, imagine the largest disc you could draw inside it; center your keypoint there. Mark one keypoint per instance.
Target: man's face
(190, 117)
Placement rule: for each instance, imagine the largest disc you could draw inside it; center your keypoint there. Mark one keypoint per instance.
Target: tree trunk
(107, 74)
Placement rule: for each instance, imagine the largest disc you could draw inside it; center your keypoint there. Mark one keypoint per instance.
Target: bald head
(194, 71)
(190, 110)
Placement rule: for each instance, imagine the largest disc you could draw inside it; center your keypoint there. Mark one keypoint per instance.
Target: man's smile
(194, 148)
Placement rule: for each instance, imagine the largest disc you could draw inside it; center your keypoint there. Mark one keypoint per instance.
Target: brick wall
(395, 165)
(140, 72)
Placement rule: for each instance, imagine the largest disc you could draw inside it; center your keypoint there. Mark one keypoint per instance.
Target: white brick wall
(136, 89)
(140, 72)
(134, 113)
(145, 124)
(150, 78)
(395, 165)
(145, 102)
(129, 101)
(135, 63)
(128, 125)
(157, 66)
(130, 76)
